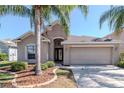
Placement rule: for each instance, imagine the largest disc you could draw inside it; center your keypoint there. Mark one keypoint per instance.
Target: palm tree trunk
(38, 39)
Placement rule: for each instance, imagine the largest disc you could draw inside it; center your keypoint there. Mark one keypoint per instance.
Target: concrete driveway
(98, 76)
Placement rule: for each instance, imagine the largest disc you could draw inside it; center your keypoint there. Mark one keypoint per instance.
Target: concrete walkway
(102, 76)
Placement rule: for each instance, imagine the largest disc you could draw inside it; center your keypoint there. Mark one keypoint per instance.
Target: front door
(58, 54)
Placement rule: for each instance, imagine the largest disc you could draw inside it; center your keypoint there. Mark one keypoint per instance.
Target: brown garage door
(84, 55)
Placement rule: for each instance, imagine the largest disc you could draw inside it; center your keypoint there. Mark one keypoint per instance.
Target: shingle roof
(79, 38)
(28, 34)
(86, 39)
(109, 35)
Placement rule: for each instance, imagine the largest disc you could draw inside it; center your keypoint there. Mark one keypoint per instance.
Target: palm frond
(62, 17)
(114, 16)
(84, 9)
(118, 24)
(46, 13)
(19, 10)
(4, 10)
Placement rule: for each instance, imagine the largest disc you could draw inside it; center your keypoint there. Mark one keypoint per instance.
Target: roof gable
(25, 35)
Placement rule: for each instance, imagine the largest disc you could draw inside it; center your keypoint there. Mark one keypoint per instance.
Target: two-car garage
(90, 53)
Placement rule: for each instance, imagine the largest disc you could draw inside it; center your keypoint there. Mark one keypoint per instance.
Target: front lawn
(5, 63)
(65, 80)
(27, 77)
(6, 79)
(6, 76)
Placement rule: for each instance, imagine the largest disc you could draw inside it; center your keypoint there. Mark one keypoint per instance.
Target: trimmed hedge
(47, 65)
(62, 72)
(50, 64)
(121, 64)
(19, 66)
(5, 63)
(121, 56)
(3, 57)
(44, 66)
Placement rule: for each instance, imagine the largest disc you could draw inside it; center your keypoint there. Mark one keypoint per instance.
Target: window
(31, 51)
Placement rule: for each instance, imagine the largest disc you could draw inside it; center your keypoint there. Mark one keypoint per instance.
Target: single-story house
(69, 50)
(10, 48)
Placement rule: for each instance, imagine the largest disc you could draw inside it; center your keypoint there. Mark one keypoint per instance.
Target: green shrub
(121, 56)
(62, 72)
(47, 65)
(121, 64)
(5, 63)
(19, 66)
(3, 57)
(44, 66)
(50, 64)
(6, 76)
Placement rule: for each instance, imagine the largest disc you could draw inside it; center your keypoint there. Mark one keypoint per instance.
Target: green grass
(6, 76)
(62, 72)
(65, 72)
(5, 63)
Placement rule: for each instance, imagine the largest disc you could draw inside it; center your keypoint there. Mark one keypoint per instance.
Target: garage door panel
(90, 55)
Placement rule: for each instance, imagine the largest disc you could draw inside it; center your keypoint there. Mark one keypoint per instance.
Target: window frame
(32, 53)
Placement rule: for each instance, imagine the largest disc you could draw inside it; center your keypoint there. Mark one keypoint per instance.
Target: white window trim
(26, 54)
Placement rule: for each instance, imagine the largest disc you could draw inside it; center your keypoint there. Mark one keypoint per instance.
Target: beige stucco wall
(22, 53)
(114, 53)
(120, 37)
(47, 48)
(54, 32)
(122, 42)
(66, 55)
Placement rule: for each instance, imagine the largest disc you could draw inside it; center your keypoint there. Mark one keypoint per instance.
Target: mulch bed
(6, 68)
(28, 77)
(61, 82)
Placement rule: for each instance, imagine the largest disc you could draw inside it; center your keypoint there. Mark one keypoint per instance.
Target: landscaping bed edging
(9, 81)
(36, 85)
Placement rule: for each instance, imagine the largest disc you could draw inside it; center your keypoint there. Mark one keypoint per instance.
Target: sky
(13, 26)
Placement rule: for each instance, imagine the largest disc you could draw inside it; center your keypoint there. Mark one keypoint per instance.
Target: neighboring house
(10, 48)
(57, 46)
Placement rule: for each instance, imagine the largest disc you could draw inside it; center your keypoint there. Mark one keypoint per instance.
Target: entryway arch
(58, 49)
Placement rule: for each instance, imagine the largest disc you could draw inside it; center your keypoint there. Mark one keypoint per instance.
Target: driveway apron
(98, 76)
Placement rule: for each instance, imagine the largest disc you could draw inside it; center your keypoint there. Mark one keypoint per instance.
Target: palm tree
(40, 14)
(115, 18)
